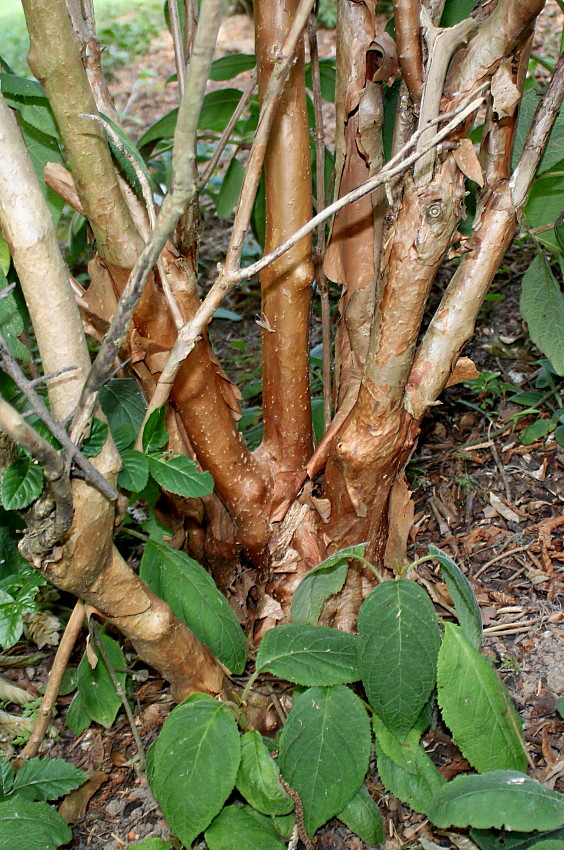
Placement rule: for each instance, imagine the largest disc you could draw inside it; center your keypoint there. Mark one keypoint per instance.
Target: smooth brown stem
(406, 20)
(55, 59)
(285, 284)
(60, 662)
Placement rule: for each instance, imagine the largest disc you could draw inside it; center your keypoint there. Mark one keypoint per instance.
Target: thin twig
(91, 474)
(58, 668)
(179, 59)
(319, 253)
(226, 135)
(299, 810)
(95, 632)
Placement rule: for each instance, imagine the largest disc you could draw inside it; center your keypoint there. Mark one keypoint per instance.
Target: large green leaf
(258, 778)
(194, 597)
(217, 109)
(154, 433)
(11, 320)
(398, 659)
(47, 779)
(236, 829)
(227, 67)
(402, 752)
(97, 439)
(554, 152)
(195, 764)
(180, 475)
(321, 582)
(309, 655)
(362, 816)
(7, 776)
(500, 799)
(417, 789)
(134, 472)
(43, 148)
(124, 406)
(228, 196)
(476, 706)
(542, 306)
(22, 483)
(162, 129)
(456, 11)
(95, 686)
(324, 751)
(31, 825)
(544, 205)
(461, 593)
(489, 839)
(327, 78)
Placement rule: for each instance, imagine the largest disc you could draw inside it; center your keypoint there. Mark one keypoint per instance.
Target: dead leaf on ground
(74, 806)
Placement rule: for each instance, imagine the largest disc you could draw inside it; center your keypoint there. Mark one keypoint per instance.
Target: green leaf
(537, 431)
(324, 751)
(162, 129)
(151, 844)
(499, 798)
(456, 11)
(11, 321)
(228, 196)
(180, 475)
(258, 778)
(98, 694)
(155, 435)
(327, 75)
(217, 109)
(97, 439)
(362, 816)
(193, 596)
(321, 582)
(124, 407)
(461, 593)
(7, 774)
(134, 473)
(554, 151)
(25, 824)
(231, 65)
(542, 306)
(78, 718)
(489, 840)
(22, 483)
(529, 399)
(12, 84)
(195, 764)
(560, 707)
(398, 659)
(558, 231)
(11, 623)
(476, 706)
(47, 779)
(309, 655)
(417, 789)
(124, 162)
(236, 829)
(402, 752)
(42, 149)
(5, 258)
(544, 205)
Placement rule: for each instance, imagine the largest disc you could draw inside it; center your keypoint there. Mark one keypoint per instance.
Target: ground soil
(492, 503)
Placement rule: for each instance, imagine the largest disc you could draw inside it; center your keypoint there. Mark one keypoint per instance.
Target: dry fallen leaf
(74, 806)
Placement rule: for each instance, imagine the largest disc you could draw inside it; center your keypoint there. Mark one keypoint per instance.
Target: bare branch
(406, 20)
(179, 58)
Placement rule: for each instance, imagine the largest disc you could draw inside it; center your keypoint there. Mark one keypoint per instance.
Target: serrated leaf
(13, 84)
(154, 433)
(417, 789)
(542, 306)
(500, 799)
(402, 752)
(97, 691)
(198, 736)
(217, 108)
(258, 778)
(230, 190)
(489, 839)
(236, 829)
(309, 655)
(97, 439)
(398, 658)
(134, 473)
(11, 623)
(25, 824)
(321, 582)
(179, 475)
(326, 731)
(461, 593)
(124, 407)
(544, 205)
(193, 596)
(151, 844)
(43, 148)
(78, 719)
(47, 779)
(227, 67)
(22, 483)
(362, 816)
(476, 706)
(7, 775)
(124, 162)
